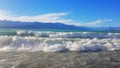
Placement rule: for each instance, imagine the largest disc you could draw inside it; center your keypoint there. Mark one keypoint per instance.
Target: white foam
(54, 48)
(15, 43)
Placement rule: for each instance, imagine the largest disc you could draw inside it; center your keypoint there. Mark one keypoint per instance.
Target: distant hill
(37, 25)
(41, 25)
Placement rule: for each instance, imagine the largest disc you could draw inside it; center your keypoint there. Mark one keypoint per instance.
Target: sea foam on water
(53, 44)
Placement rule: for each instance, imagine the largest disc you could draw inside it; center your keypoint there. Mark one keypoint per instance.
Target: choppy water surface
(109, 59)
(59, 49)
(49, 41)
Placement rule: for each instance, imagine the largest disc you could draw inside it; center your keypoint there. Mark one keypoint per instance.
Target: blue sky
(78, 12)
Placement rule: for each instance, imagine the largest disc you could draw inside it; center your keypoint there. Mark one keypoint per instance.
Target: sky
(95, 13)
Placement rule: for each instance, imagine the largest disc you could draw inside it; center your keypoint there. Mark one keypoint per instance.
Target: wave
(16, 43)
(59, 34)
(69, 34)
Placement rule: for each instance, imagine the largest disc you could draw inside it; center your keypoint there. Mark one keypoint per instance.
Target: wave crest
(15, 43)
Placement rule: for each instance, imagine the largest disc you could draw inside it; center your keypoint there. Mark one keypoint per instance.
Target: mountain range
(42, 25)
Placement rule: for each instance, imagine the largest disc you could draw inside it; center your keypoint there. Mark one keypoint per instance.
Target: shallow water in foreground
(102, 59)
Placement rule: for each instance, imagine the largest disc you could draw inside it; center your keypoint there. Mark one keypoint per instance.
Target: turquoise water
(12, 31)
(51, 30)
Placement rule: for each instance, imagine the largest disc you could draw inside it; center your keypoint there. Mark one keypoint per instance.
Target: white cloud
(6, 15)
(97, 22)
(93, 23)
(3, 14)
(51, 17)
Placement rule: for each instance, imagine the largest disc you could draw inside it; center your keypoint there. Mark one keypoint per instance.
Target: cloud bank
(97, 22)
(51, 17)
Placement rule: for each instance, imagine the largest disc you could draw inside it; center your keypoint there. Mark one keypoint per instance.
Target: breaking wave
(46, 44)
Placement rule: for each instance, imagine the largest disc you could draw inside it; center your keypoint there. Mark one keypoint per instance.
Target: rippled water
(106, 59)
